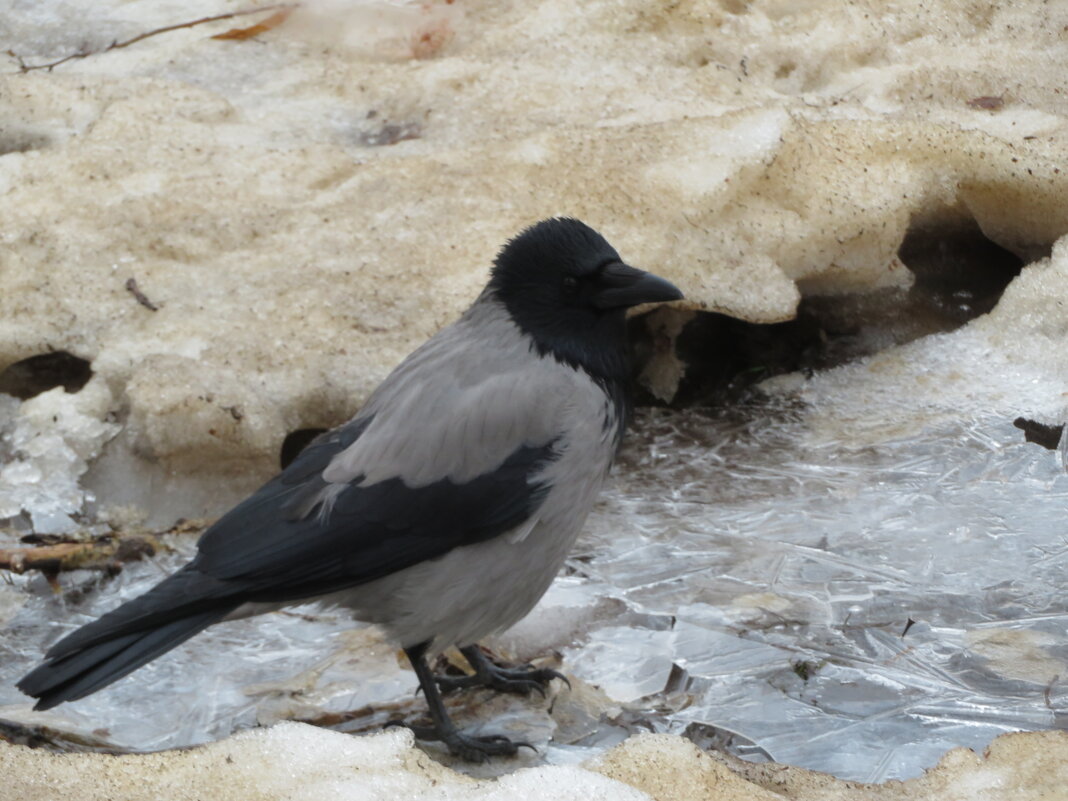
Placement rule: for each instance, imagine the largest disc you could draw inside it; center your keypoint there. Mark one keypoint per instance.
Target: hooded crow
(444, 509)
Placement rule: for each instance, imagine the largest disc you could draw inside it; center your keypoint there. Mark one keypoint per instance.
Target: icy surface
(46, 444)
(741, 575)
(794, 568)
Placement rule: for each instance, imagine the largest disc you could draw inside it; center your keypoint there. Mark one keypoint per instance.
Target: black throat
(595, 343)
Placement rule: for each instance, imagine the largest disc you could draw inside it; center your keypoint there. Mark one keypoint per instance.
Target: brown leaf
(241, 34)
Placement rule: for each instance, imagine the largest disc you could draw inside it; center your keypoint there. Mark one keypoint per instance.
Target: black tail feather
(183, 595)
(78, 674)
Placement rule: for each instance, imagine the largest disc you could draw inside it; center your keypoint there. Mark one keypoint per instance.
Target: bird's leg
(467, 747)
(509, 680)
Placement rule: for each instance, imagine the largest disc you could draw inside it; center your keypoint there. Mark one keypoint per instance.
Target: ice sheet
(46, 444)
(740, 576)
(793, 569)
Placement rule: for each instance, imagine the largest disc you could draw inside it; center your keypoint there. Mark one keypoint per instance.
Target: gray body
(456, 408)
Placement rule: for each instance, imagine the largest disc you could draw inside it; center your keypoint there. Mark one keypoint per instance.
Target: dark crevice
(959, 274)
(724, 356)
(295, 442)
(32, 376)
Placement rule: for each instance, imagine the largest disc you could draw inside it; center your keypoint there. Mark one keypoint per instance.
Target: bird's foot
(521, 681)
(467, 747)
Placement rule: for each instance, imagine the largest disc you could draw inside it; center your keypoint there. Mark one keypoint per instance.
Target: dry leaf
(241, 34)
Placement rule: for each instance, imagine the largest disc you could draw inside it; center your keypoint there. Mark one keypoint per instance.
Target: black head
(568, 289)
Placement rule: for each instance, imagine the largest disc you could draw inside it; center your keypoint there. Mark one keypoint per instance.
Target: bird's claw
(510, 680)
(465, 746)
(478, 749)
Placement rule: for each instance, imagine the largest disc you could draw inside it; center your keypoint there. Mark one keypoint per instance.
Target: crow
(444, 509)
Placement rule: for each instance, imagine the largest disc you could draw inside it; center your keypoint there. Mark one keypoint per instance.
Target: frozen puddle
(792, 573)
(748, 580)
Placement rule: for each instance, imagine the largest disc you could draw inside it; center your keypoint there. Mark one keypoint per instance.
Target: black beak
(623, 286)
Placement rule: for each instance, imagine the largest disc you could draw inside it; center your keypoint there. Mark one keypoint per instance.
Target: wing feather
(450, 451)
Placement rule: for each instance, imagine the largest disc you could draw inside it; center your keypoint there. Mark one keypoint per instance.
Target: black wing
(280, 545)
(276, 546)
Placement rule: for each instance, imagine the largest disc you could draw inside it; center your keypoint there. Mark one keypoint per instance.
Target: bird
(443, 510)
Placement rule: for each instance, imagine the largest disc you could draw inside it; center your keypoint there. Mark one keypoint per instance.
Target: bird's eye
(570, 284)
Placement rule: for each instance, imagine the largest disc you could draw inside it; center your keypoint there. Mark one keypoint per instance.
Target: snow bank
(296, 763)
(748, 152)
